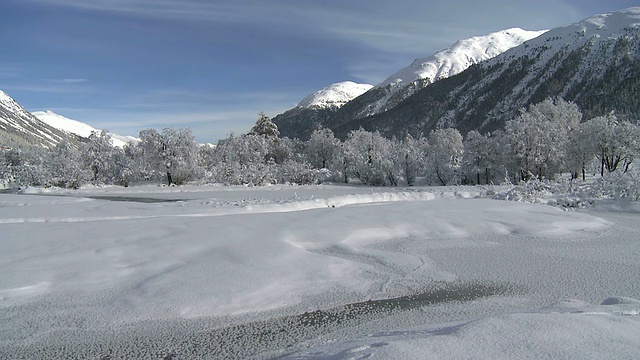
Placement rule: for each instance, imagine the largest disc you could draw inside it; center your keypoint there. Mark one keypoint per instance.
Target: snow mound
(334, 95)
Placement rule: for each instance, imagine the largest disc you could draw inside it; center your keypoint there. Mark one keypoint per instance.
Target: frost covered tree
(173, 152)
(581, 151)
(476, 160)
(445, 155)
(96, 155)
(245, 159)
(321, 148)
(265, 127)
(123, 167)
(24, 166)
(371, 158)
(412, 158)
(613, 142)
(540, 134)
(64, 166)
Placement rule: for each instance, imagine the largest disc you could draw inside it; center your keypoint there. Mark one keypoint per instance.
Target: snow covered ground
(313, 272)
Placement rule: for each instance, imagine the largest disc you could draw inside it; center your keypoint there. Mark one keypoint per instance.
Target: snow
(567, 330)
(15, 117)
(591, 31)
(78, 128)
(460, 56)
(105, 271)
(334, 95)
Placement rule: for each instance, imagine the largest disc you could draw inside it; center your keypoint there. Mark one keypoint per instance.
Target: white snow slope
(460, 56)
(234, 272)
(78, 128)
(335, 95)
(13, 117)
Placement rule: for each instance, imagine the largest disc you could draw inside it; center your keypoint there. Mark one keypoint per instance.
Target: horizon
(213, 67)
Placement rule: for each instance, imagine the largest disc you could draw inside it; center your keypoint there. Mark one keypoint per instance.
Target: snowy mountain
(448, 62)
(459, 57)
(594, 63)
(78, 128)
(334, 95)
(19, 127)
(422, 72)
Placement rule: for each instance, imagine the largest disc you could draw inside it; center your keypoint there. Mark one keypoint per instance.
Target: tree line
(545, 139)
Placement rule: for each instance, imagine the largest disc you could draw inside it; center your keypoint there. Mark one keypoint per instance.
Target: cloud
(49, 87)
(67, 81)
(9, 72)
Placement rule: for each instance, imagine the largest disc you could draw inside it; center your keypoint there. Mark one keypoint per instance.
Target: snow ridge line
(332, 202)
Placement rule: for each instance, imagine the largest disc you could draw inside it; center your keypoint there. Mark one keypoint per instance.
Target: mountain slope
(595, 63)
(446, 63)
(19, 127)
(422, 72)
(77, 128)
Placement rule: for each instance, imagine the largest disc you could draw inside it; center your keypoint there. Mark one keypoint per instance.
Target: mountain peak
(459, 57)
(334, 95)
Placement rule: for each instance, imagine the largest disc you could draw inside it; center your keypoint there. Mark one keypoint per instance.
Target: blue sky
(128, 65)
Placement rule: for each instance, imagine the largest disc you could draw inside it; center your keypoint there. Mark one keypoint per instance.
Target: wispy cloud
(67, 81)
(409, 26)
(48, 87)
(9, 72)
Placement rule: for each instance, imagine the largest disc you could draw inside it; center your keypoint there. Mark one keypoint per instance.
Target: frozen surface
(236, 272)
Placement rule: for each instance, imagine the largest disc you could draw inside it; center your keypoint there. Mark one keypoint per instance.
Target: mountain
(19, 127)
(594, 62)
(334, 95)
(297, 122)
(315, 108)
(78, 128)
(448, 62)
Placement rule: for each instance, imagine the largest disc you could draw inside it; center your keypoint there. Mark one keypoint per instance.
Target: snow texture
(335, 95)
(237, 272)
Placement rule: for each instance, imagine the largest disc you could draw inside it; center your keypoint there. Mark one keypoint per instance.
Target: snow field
(202, 276)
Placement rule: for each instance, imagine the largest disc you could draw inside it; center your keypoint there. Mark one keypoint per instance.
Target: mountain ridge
(420, 73)
(594, 62)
